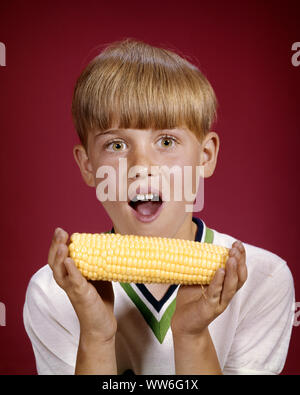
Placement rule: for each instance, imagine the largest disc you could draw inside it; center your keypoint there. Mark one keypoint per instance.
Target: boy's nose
(143, 171)
(142, 164)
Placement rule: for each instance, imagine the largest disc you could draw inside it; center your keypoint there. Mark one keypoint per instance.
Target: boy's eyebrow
(101, 133)
(108, 131)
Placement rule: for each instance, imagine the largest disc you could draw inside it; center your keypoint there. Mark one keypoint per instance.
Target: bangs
(134, 85)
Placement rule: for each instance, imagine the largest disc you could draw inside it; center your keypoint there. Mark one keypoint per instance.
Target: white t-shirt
(251, 336)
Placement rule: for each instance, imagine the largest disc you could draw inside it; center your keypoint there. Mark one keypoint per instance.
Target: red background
(244, 48)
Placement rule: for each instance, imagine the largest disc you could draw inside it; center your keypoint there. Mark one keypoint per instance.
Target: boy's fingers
(74, 274)
(58, 267)
(215, 287)
(53, 248)
(234, 252)
(238, 251)
(238, 244)
(242, 267)
(230, 282)
(59, 236)
(242, 274)
(76, 285)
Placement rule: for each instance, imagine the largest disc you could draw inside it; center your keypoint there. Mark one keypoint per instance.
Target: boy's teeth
(146, 196)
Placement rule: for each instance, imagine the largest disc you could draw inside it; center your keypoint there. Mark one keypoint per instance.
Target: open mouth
(146, 204)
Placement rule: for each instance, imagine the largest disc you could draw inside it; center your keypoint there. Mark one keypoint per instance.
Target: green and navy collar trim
(158, 313)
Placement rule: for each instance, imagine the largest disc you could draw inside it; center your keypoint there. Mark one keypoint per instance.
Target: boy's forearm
(95, 357)
(195, 355)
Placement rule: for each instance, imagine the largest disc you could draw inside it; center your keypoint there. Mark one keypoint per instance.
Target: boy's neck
(187, 231)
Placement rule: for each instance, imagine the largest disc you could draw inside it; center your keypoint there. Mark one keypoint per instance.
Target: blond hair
(131, 84)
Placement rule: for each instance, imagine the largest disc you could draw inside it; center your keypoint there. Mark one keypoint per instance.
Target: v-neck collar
(158, 313)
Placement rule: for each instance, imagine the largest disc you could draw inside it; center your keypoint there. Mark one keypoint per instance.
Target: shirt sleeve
(263, 334)
(51, 325)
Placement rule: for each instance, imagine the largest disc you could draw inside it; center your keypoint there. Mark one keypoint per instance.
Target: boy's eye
(167, 141)
(116, 145)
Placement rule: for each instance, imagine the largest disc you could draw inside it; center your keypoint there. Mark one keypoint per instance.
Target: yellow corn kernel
(145, 259)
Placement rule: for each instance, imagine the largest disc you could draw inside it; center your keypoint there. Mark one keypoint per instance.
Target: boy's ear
(209, 153)
(84, 164)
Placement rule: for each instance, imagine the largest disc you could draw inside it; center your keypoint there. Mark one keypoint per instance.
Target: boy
(127, 103)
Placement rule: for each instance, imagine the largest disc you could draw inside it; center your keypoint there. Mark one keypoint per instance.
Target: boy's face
(166, 160)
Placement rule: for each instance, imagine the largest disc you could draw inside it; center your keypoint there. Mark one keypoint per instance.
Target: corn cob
(145, 259)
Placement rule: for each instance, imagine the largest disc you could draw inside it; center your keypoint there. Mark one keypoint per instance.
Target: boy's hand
(197, 306)
(93, 304)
